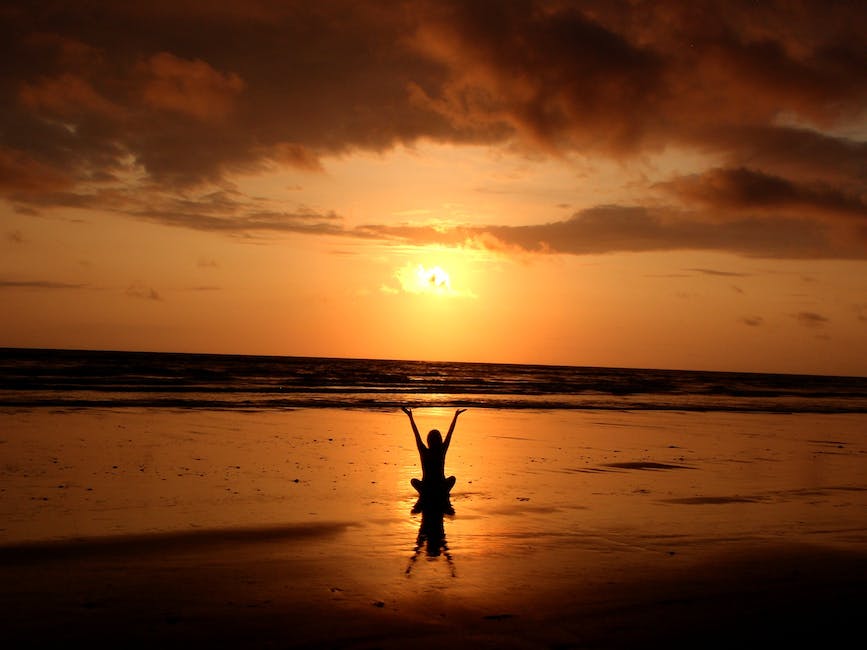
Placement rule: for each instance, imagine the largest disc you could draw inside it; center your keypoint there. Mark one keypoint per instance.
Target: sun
(429, 278)
(433, 280)
(421, 280)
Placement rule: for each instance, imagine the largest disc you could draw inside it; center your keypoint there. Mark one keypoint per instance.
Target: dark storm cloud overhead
(93, 92)
(193, 90)
(551, 74)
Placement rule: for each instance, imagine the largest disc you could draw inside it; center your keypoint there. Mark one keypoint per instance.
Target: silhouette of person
(434, 487)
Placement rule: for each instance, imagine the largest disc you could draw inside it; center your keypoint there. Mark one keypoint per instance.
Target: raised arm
(448, 439)
(418, 442)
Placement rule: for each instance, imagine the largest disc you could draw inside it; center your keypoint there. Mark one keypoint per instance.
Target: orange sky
(661, 184)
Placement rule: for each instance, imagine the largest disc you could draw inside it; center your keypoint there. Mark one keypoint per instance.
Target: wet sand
(293, 529)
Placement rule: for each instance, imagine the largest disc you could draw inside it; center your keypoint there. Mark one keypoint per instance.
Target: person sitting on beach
(433, 459)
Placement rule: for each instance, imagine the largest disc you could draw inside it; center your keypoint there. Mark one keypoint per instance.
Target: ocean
(32, 378)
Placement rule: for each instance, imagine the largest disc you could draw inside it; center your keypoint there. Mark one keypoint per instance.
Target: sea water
(73, 378)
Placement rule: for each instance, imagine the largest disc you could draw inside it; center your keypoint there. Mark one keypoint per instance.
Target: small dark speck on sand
(297, 480)
(378, 603)
(498, 617)
(523, 498)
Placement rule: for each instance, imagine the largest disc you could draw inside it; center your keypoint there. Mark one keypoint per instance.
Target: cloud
(751, 191)
(224, 211)
(39, 284)
(190, 92)
(613, 228)
(725, 274)
(551, 73)
(182, 95)
(784, 150)
(67, 96)
(140, 291)
(22, 175)
(810, 319)
(191, 88)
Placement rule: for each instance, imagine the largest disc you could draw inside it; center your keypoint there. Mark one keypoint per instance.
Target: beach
(293, 528)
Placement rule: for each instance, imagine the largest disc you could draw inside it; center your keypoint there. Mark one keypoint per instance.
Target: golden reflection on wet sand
(545, 502)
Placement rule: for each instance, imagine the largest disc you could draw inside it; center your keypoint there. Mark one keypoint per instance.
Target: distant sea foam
(70, 378)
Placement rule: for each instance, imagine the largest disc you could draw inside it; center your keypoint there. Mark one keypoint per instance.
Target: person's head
(434, 439)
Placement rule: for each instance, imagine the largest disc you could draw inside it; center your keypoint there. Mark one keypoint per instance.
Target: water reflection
(432, 535)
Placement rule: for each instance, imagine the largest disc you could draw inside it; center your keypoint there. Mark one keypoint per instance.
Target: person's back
(433, 458)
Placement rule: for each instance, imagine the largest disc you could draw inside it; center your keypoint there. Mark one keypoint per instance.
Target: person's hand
(406, 410)
(459, 411)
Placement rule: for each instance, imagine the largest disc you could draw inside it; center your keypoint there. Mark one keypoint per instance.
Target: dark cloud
(226, 211)
(181, 94)
(192, 90)
(744, 189)
(608, 229)
(549, 72)
(725, 274)
(788, 151)
(299, 222)
(810, 319)
(138, 290)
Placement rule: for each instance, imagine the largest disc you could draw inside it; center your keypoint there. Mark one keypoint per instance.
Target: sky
(630, 184)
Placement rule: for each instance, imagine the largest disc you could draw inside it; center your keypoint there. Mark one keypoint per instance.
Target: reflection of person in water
(433, 486)
(432, 539)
